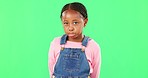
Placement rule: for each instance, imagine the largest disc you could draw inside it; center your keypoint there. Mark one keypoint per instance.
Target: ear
(85, 21)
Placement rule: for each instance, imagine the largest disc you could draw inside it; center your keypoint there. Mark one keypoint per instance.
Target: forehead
(71, 14)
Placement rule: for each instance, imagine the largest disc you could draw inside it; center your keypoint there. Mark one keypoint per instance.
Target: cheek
(65, 28)
(79, 29)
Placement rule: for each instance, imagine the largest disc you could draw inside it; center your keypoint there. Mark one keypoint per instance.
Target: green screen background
(27, 27)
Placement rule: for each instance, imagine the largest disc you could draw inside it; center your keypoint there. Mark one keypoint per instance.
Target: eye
(65, 23)
(75, 22)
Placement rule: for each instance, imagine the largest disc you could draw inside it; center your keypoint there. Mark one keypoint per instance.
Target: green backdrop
(28, 26)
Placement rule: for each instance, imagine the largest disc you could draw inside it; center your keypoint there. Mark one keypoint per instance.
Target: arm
(51, 59)
(96, 62)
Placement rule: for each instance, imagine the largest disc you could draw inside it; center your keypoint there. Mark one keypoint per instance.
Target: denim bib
(72, 62)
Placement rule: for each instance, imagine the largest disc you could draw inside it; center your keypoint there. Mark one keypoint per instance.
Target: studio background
(27, 27)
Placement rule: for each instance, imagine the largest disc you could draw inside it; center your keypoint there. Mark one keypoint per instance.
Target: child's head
(74, 17)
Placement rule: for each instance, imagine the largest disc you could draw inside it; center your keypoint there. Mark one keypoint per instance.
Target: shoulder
(56, 40)
(94, 47)
(93, 44)
(93, 50)
(55, 44)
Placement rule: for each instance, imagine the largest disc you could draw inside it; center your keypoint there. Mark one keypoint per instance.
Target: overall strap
(63, 39)
(85, 41)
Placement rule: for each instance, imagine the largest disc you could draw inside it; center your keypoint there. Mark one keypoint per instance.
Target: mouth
(71, 35)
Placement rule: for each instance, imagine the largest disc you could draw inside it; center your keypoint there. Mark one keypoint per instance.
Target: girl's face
(73, 23)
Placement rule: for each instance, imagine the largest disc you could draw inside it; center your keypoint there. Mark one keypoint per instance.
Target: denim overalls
(72, 62)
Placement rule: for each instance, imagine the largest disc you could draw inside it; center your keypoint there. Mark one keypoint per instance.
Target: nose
(71, 28)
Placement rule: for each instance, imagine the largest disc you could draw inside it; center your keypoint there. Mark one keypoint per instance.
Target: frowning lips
(72, 34)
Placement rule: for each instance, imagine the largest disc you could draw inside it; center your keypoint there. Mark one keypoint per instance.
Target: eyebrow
(75, 20)
(72, 20)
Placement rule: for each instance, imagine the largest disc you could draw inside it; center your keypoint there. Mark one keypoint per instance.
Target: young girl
(74, 55)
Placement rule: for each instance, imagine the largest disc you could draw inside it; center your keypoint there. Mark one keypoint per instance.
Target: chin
(73, 37)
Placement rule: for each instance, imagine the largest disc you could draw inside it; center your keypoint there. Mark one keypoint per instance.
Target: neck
(79, 38)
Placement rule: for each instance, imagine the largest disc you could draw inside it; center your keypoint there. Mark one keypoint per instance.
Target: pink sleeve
(96, 62)
(51, 58)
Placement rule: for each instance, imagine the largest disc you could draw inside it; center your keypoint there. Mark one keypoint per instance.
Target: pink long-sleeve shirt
(92, 51)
